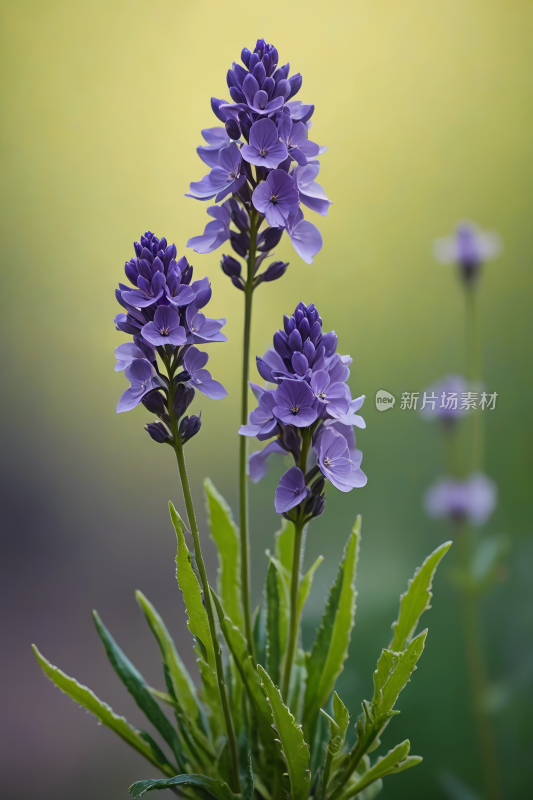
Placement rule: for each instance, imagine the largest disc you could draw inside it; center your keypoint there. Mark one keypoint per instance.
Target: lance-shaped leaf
(226, 536)
(245, 766)
(209, 788)
(395, 761)
(239, 651)
(416, 599)
(104, 713)
(330, 649)
(294, 749)
(138, 688)
(284, 545)
(181, 680)
(393, 672)
(192, 594)
(338, 725)
(272, 604)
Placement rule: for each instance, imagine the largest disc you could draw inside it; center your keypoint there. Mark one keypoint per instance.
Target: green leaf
(305, 585)
(393, 673)
(207, 787)
(192, 594)
(293, 747)
(284, 545)
(138, 688)
(182, 682)
(395, 761)
(104, 713)
(272, 604)
(337, 730)
(330, 649)
(416, 599)
(259, 635)
(226, 536)
(239, 651)
(210, 695)
(245, 767)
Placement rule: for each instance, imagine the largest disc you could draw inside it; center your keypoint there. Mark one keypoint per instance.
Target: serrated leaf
(395, 761)
(330, 649)
(252, 682)
(338, 725)
(272, 606)
(182, 681)
(198, 623)
(416, 599)
(305, 584)
(208, 787)
(138, 688)
(104, 713)
(225, 534)
(259, 635)
(393, 673)
(294, 749)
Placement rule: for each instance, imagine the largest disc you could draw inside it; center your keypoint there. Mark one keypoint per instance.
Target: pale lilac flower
(295, 137)
(203, 329)
(295, 404)
(227, 177)
(258, 460)
(473, 499)
(305, 237)
(215, 233)
(311, 193)
(469, 247)
(199, 378)
(216, 139)
(334, 461)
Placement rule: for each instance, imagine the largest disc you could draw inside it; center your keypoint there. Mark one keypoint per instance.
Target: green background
(427, 111)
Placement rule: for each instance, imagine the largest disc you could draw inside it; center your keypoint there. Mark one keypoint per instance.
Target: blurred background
(427, 111)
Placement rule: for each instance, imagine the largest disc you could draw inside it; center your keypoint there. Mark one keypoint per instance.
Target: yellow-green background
(427, 110)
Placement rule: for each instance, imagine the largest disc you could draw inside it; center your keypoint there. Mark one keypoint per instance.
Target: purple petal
(291, 490)
(258, 461)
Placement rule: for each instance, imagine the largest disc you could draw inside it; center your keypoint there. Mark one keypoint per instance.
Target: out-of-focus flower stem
(476, 666)
(299, 527)
(193, 525)
(243, 454)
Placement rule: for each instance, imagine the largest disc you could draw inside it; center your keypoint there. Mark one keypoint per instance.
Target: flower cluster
(473, 499)
(310, 412)
(163, 314)
(264, 158)
(469, 247)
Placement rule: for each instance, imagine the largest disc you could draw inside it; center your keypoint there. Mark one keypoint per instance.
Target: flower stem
(299, 527)
(243, 452)
(193, 525)
(295, 586)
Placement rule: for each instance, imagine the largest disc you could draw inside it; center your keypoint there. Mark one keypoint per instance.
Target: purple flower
(295, 404)
(200, 378)
(276, 197)
(469, 247)
(442, 400)
(215, 233)
(305, 237)
(140, 375)
(473, 499)
(291, 490)
(265, 148)
(333, 459)
(258, 461)
(225, 178)
(165, 328)
(125, 354)
(258, 99)
(262, 422)
(333, 398)
(203, 329)
(311, 193)
(149, 289)
(294, 136)
(216, 139)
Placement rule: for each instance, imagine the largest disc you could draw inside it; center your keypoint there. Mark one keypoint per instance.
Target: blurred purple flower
(473, 499)
(469, 247)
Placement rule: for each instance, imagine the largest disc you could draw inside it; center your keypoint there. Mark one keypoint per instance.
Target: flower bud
(182, 399)
(154, 402)
(269, 238)
(232, 129)
(158, 433)
(273, 272)
(230, 266)
(189, 427)
(240, 243)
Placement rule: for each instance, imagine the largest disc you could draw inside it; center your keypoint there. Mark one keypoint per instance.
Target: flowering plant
(235, 733)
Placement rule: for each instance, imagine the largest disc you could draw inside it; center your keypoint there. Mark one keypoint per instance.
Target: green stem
(193, 525)
(293, 631)
(243, 452)
(299, 526)
(474, 372)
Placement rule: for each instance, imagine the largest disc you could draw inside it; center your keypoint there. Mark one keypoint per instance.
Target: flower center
(327, 462)
(274, 199)
(262, 152)
(321, 395)
(163, 331)
(295, 409)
